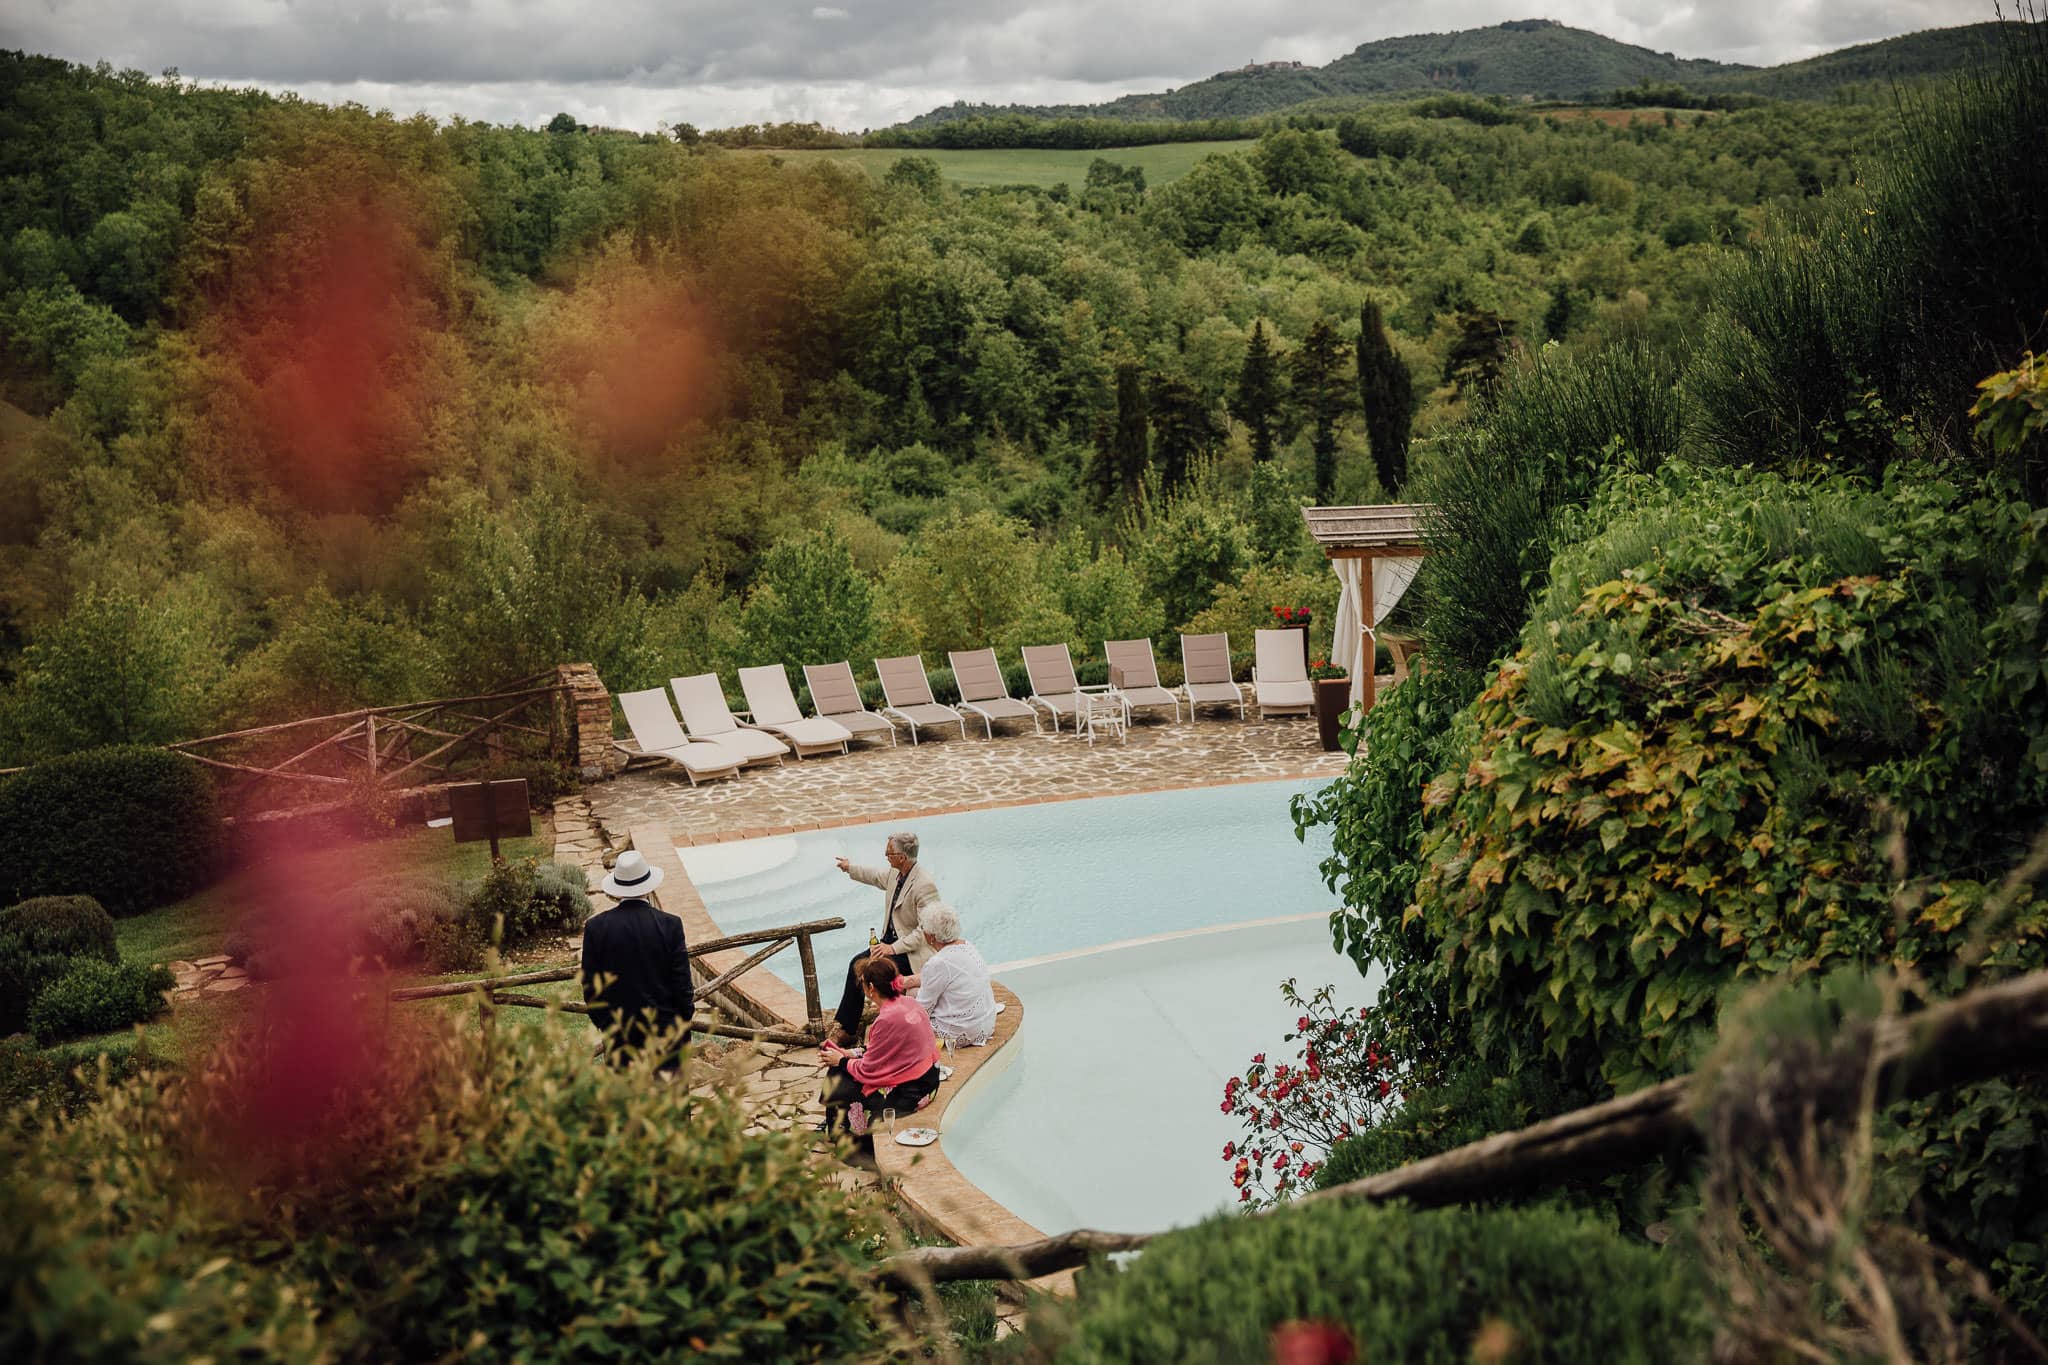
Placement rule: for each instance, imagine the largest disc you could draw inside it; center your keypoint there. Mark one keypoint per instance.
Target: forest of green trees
(313, 407)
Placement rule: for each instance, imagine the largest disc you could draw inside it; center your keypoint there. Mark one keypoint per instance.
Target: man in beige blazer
(906, 890)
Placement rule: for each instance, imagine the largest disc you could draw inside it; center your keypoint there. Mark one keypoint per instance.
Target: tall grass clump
(1881, 310)
(1499, 487)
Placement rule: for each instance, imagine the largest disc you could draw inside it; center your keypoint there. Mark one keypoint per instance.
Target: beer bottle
(874, 939)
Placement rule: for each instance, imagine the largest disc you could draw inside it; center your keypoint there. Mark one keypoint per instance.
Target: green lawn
(1162, 162)
(198, 926)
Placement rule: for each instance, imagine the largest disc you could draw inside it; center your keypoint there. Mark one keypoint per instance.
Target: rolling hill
(1525, 58)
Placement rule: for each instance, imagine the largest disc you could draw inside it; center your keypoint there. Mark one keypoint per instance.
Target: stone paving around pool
(947, 774)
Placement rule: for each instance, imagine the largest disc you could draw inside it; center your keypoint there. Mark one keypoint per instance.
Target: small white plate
(917, 1137)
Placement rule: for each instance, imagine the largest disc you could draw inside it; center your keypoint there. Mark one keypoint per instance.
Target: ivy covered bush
(448, 1198)
(522, 900)
(132, 827)
(1735, 704)
(1400, 1284)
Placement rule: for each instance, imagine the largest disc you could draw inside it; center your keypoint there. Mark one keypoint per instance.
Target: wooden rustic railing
(376, 747)
(492, 990)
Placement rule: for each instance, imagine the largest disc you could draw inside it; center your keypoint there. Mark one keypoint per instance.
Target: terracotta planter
(1333, 699)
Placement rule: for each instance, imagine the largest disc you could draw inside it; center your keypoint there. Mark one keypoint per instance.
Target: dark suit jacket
(641, 950)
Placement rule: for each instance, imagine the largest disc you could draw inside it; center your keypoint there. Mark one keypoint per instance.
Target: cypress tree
(1386, 391)
(1258, 392)
(1120, 463)
(1183, 426)
(1321, 395)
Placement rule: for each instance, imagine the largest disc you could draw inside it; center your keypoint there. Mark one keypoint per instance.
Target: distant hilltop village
(1254, 68)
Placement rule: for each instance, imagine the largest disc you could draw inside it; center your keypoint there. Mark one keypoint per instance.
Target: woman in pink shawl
(898, 1069)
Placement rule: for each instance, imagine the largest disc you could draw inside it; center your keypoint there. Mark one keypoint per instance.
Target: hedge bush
(69, 926)
(1405, 1285)
(97, 997)
(133, 828)
(1727, 704)
(39, 940)
(500, 1201)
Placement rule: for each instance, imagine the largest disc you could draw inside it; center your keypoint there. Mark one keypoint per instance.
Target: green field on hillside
(1163, 162)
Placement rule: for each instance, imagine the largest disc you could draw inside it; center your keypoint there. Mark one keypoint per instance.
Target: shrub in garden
(522, 900)
(397, 921)
(498, 1200)
(133, 828)
(1374, 809)
(58, 1082)
(1502, 489)
(96, 997)
(70, 926)
(39, 938)
(1728, 702)
(1399, 1284)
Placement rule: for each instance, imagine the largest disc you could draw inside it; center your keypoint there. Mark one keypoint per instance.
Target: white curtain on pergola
(1390, 580)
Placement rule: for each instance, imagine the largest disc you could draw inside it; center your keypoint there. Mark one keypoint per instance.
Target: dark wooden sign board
(490, 810)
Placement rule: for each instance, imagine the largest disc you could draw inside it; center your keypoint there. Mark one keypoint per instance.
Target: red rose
(1229, 1150)
(1294, 1147)
(1259, 1057)
(1385, 1088)
(1244, 1196)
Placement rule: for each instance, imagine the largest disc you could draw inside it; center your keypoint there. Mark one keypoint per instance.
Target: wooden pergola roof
(1348, 532)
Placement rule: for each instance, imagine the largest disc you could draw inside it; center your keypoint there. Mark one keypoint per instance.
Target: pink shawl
(901, 1047)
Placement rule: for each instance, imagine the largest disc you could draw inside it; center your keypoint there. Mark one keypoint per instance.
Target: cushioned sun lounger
(657, 732)
(773, 708)
(1280, 675)
(908, 694)
(701, 699)
(836, 697)
(1205, 668)
(983, 691)
(1134, 674)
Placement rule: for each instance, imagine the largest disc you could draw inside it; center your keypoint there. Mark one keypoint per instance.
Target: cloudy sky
(851, 63)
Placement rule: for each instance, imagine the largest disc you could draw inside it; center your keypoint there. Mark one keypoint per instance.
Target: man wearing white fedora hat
(636, 967)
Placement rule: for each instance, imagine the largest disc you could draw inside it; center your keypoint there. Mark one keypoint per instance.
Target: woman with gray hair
(953, 985)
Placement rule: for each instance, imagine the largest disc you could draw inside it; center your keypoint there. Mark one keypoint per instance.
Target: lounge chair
(772, 707)
(836, 697)
(983, 691)
(908, 693)
(1280, 675)
(701, 699)
(657, 733)
(1205, 672)
(1134, 675)
(1055, 686)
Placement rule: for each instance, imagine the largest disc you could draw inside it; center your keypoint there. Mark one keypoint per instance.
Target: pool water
(1033, 880)
(1107, 1114)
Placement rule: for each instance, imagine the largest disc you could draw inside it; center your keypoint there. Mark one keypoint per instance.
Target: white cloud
(634, 63)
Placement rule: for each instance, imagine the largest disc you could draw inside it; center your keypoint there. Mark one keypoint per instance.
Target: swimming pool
(1147, 936)
(1033, 880)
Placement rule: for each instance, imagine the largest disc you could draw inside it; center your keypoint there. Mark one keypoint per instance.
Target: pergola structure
(1389, 539)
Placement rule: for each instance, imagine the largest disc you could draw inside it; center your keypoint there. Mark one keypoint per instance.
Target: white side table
(1105, 713)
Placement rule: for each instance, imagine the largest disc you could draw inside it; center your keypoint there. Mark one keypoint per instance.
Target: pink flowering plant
(1339, 1083)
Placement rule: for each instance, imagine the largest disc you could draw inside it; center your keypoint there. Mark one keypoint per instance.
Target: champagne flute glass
(889, 1122)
